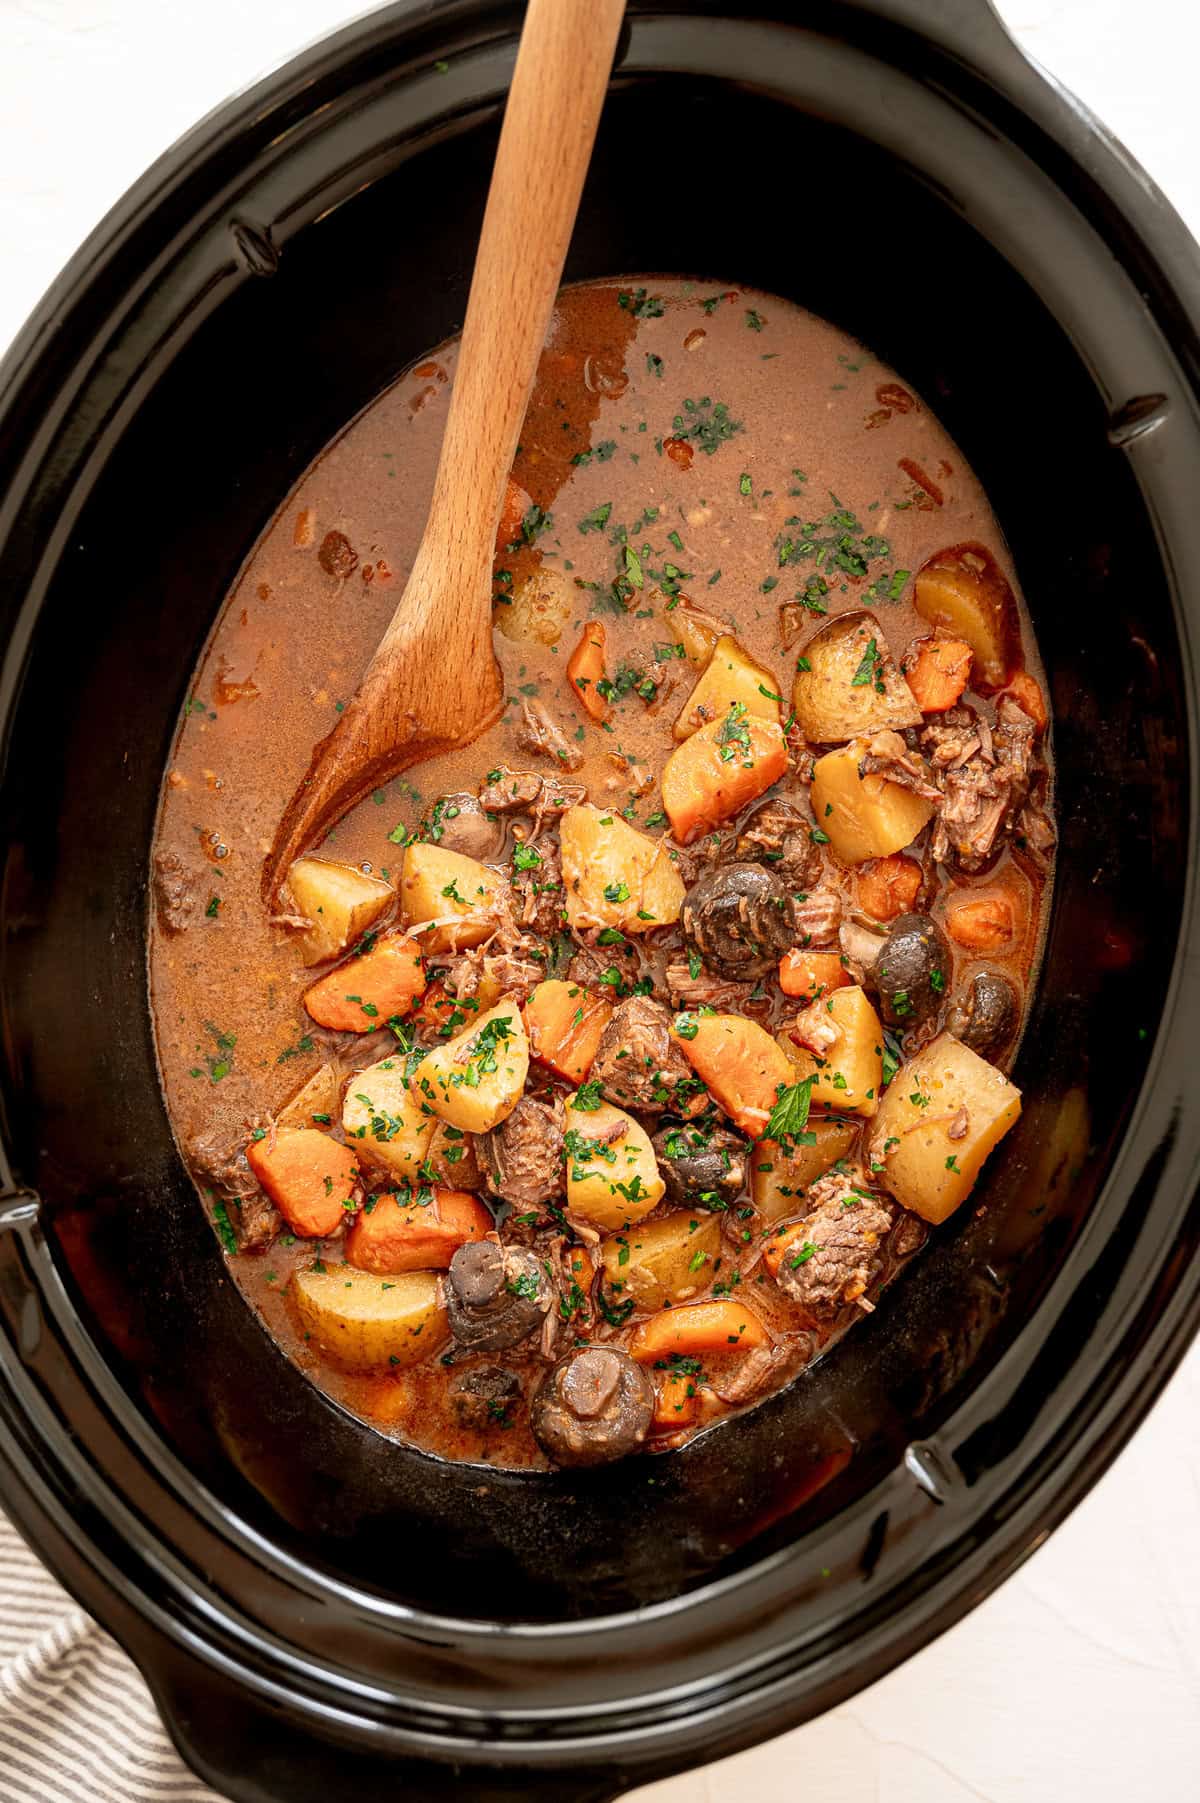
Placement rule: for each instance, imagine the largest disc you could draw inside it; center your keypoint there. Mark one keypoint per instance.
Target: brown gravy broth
(702, 421)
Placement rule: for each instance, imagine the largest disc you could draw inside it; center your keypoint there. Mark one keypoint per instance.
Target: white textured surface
(1080, 1680)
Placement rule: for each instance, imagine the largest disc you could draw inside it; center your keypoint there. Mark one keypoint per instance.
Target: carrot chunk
(309, 1177)
(370, 990)
(810, 974)
(888, 886)
(740, 1063)
(513, 508)
(983, 924)
(565, 1024)
(938, 673)
(700, 1327)
(1029, 698)
(586, 670)
(719, 769)
(400, 1234)
(677, 1402)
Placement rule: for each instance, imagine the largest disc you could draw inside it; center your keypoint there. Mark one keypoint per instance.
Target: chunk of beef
(510, 792)
(837, 1256)
(256, 1221)
(739, 1380)
(637, 1063)
(175, 897)
(701, 990)
(540, 733)
(983, 775)
(522, 1158)
(219, 1165)
(777, 834)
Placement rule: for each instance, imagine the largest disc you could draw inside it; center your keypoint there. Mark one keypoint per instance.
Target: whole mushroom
(740, 918)
(483, 1397)
(700, 1160)
(459, 823)
(985, 1016)
(495, 1295)
(595, 1405)
(912, 971)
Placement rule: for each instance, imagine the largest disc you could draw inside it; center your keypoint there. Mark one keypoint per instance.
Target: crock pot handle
(251, 1752)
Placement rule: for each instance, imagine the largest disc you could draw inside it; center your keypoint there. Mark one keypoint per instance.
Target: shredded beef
(702, 990)
(888, 755)
(817, 915)
(541, 734)
(538, 893)
(983, 775)
(514, 972)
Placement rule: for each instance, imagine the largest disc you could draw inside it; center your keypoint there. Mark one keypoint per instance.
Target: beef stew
(599, 1075)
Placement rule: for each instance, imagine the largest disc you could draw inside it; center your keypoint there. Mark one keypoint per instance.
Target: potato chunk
(475, 1080)
(316, 1102)
(447, 887)
(697, 632)
(848, 1074)
(732, 675)
(942, 1114)
(964, 591)
(778, 1178)
(612, 1174)
(539, 609)
(847, 683)
(864, 816)
(369, 1322)
(339, 900)
(615, 876)
(663, 1261)
(388, 1126)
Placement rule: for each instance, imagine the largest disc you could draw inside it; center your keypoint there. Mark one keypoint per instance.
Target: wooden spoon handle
(434, 682)
(558, 87)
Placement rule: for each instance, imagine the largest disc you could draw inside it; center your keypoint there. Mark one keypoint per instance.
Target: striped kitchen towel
(76, 1721)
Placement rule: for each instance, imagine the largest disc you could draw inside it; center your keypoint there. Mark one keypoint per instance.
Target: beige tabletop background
(1079, 1681)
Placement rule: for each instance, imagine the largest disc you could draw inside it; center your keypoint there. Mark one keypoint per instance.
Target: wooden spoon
(434, 682)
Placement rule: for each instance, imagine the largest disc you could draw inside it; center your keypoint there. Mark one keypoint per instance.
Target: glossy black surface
(308, 1600)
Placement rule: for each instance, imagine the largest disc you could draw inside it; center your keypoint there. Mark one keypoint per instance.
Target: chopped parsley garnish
(707, 422)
